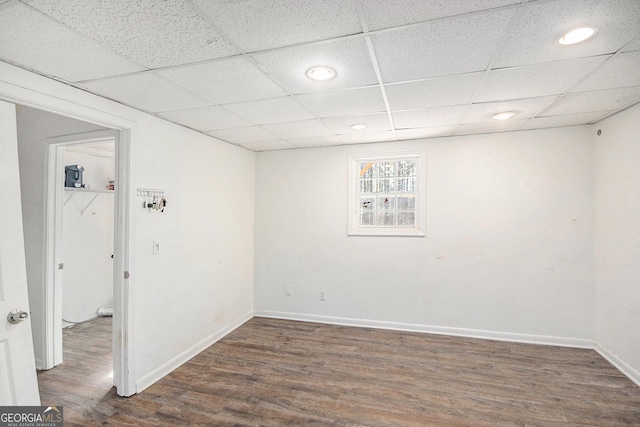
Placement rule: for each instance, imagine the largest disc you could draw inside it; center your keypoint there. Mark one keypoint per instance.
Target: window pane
(366, 219)
(367, 185)
(386, 169)
(406, 219)
(367, 170)
(406, 203)
(386, 219)
(386, 185)
(367, 203)
(406, 185)
(386, 203)
(407, 168)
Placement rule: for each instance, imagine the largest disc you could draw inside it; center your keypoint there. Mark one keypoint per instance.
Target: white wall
(87, 240)
(34, 127)
(617, 195)
(509, 245)
(201, 285)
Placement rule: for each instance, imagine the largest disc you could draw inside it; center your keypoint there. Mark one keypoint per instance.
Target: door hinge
(126, 274)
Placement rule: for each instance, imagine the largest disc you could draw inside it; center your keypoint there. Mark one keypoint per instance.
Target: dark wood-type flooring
(276, 372)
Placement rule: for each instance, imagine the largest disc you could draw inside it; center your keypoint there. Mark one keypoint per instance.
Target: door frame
(125, 134)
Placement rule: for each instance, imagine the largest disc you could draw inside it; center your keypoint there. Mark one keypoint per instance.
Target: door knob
(17, 316)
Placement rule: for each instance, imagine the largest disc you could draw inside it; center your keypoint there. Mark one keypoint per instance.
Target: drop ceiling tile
(451, 90)
(435, 132)
(452, 46)
(205, 119)
(619, 71)
(365, 138)
(268, 146)
(524, 109)
(344, 102)
(349, 58)
(320, 141)
(566, 120)
(274, 110)
(266, 24)
(147, 92)
(489, 127)
(225, 81)
(152, 33)
(302, 129)
(533, 38)
(428, 117)
(374, 122)
(385, 14)
(532, 81)
(244, 135)
(26, 39)
(599, 100)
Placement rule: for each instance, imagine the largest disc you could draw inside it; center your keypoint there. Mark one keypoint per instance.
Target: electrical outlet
(156, 248)
(323, 295)
(287, 290)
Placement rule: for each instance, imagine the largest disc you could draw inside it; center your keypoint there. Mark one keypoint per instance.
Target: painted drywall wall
(34, 127)
(509, 245)
(200, 286)
(617, 232)
(87, 239)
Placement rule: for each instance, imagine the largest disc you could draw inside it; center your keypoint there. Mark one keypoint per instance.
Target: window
(386, 195)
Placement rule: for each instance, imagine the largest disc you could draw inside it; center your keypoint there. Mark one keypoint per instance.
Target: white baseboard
(183, 357)
(441, 330)
(622, 366)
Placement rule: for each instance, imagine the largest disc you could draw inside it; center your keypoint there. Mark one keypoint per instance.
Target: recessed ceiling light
(358, 126)
(576, 36)
(321, 73)
(504, 115)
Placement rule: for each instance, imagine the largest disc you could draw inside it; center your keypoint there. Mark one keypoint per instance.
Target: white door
(18, 382)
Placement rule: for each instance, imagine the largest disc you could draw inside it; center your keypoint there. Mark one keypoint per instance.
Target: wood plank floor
(275, 372)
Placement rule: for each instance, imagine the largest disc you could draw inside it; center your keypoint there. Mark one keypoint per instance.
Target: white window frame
(420, 228)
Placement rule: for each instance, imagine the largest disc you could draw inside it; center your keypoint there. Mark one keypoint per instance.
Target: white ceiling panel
(633, 46)
(147, 92)
(344, 102)
(320, 141)
(452, 46)
(25, 39)
(205, 119)
(374, 122)
(534, 80)
(365, 138)
(386, 13)
(534, 36)
(268, 145)
(441, 131)
(275, 110)
(302, 129)
(225, 81)
(524, 109)
(451, 90)
(620, 70)
(568, 120)
(599, 100)
(266, 24)
(349, 58)
(428, 117)
(149, 32)
(489, 127)
(245, 135)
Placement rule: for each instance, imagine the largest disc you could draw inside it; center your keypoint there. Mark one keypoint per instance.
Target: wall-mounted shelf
(85, 190)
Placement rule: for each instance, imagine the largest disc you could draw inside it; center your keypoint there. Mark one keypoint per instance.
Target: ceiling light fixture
(321, 73)
(576, 36)
(504, 115)
(358, 126)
